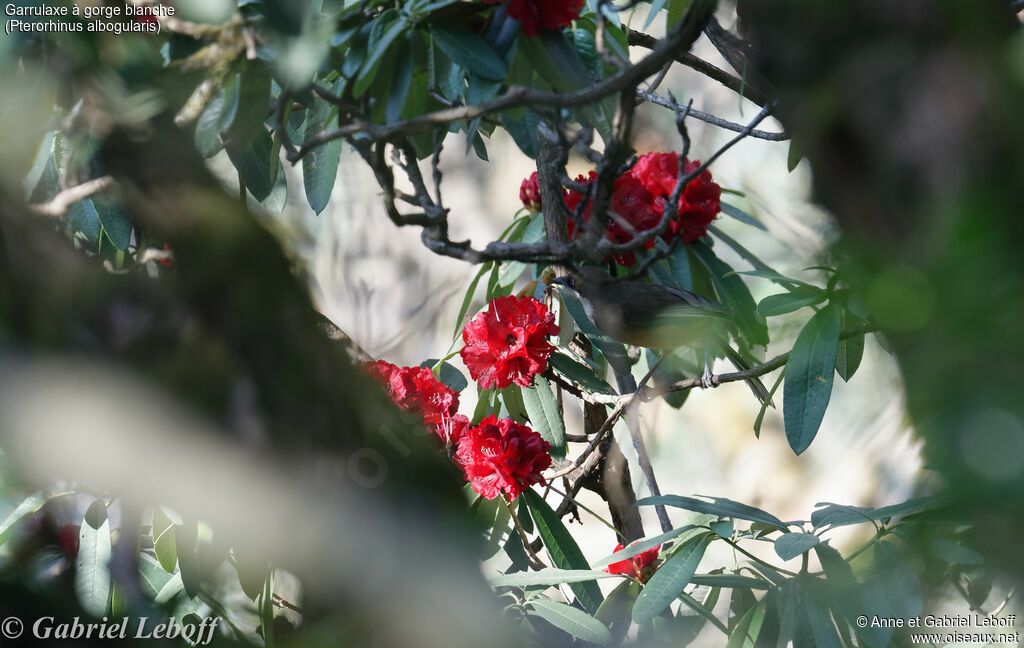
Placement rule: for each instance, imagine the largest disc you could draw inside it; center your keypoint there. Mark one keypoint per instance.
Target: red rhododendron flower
(452, 429)
(634, 566)
(698, 205)
(535, 15)
(416, 389)
(502, 455)
(167, 262)
(508, 342)
(529, 193)
(631, 202)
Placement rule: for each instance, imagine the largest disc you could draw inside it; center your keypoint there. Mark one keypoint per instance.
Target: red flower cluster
(631, 202)
(529, 193)
(416, 389)
(502, 455)
(508, 342)
(639, 198)
(700, 202)
(634, 566)
(543, 14)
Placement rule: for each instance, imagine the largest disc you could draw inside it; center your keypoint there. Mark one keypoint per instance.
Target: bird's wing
(693, 299)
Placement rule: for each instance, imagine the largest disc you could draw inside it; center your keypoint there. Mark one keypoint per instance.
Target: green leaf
(759, 420)
(794, 156)
(791, 545)
(640, 546)
(470, 51)
(92, 566)
(730, 581)
(809, 376)
(562, 547)
(820, 621)
(186, 540)
(734, 293)
(742, 216)
(402, 80)
(549, 576)
(579, 374)
(115, 223)
(850, 351)
(83, 219)
(266, 609)
(216, 117)
(253, 105)
(152, 577)
(616, 611)
(512, 402)
(254, 165)
(460, 321)
(788, 302)
(749, 627)
(668, 582)
(676, 9)
(575, 622)
(163, 540)
(320, 166)
(545, 418)
(386, 28)
(723, 528)
(29, 506)
(718, 506)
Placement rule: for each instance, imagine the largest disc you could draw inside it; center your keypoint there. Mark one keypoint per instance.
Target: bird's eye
(569, 281)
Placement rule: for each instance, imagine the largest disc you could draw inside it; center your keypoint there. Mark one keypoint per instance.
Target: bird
(657, 317)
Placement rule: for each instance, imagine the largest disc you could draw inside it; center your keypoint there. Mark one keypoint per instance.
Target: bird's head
(585, 281)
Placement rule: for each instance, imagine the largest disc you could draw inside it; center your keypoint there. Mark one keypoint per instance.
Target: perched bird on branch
(657, 317)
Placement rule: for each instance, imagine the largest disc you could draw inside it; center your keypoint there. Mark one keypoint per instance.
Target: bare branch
(59, 204)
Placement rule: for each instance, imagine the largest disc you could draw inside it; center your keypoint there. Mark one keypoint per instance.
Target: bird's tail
(755, 384)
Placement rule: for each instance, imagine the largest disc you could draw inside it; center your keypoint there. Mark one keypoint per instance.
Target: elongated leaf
(718, 506)
(386, 28)
(163, 540)
(29, 506)
(668, 582)
(730, 581)
(115, 223)
(747, 630)
(562, 547)
(791, 545)
(170, 589)
(253, 105)
(216, 117)
(579, 374)
(469, 51)
(734, 293)
(254, 165)
(460, 321)
(152, 577)
(186, 539)
(742, 216)
(549, 576)
(266, 604)
(92, 566)
(788, 302)
(320, 166)
(575, 622)
(640, 546)
(545, 418)
(617, 610)
(809, 376)
(83, 219)
(850, 351)
(759, 420)
(820, 621)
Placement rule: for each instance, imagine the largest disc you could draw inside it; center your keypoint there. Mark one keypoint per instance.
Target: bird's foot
(707, 380)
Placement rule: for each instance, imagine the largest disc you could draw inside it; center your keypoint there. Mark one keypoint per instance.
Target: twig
(753, 372)
(59, 204)
(537, 562)
(649, 96)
